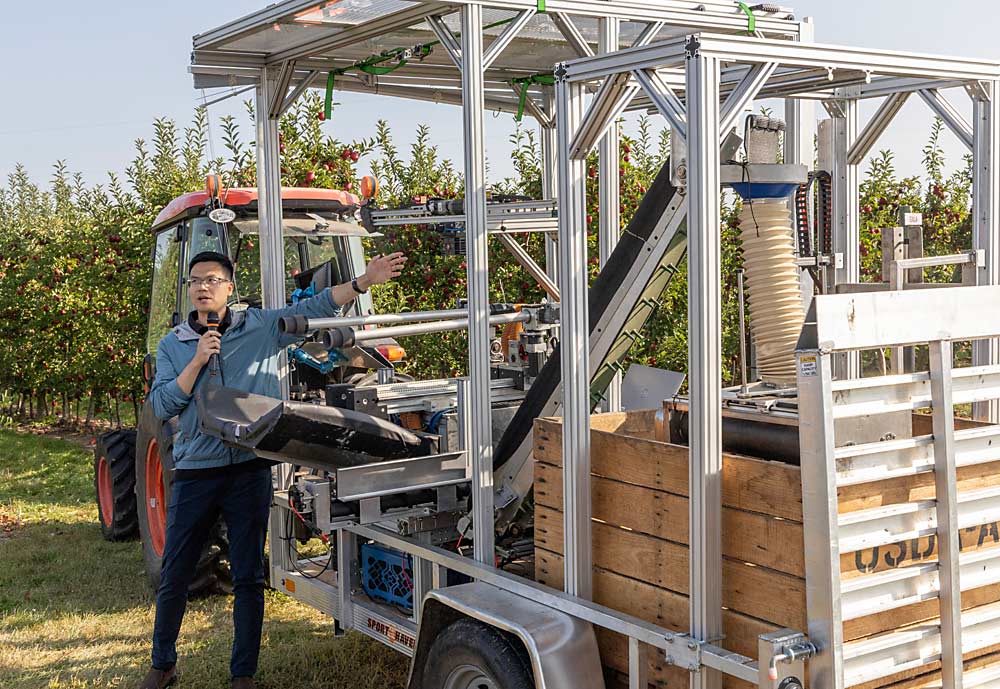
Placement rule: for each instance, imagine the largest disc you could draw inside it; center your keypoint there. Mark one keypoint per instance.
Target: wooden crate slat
(748, 536)
(753, 485)
(755, 591)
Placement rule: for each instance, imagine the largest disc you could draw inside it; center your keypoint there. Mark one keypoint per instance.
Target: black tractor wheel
(114, 485)
(154, 471)
(471, 655)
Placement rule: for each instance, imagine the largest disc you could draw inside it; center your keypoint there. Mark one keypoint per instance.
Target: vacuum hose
(776, 313)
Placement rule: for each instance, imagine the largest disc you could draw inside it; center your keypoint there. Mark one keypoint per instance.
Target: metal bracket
(979, 90)
(684, 651)
(835, 108)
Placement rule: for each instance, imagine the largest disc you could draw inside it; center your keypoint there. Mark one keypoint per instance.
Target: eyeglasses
(212, 282)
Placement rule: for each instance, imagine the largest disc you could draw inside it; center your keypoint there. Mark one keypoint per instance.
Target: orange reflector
(369, 187)
(213, 185)
(290, 585)
(392, 352)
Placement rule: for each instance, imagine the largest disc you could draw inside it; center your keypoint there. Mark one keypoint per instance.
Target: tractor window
(206, 236)
(245, 252)
(163, 300)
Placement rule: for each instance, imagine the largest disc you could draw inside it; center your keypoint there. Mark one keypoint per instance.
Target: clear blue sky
(83, 80)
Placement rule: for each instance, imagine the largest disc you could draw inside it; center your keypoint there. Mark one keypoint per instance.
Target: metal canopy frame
(705, 114)
(699, 82)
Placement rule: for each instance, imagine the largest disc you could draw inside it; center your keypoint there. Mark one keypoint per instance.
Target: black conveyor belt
(609, 281)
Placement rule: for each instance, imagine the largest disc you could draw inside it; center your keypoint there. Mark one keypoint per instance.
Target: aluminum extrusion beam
(299, 89)
(447, 39)
(574, 335)
(280, 88)
(683, 14)
(943, 108)
(477, 255)
(451, 97)
(648, 34)
(846, 215)
(610, 101)
(609, 195)
(568, 28)
(946, 499)
(819, 516)
(362, 32)
(665, 100)
(704, 355)
(743, 95)
(986, 217)
(613, 620)
(272, 256)
(528, 263)
(809, 55)
(248, 24)
(876, 126)
(504, 39)
(548, 144)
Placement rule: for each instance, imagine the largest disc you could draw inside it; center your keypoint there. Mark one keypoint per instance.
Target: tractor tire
(114, 485)
(471, 655)
(154, 473)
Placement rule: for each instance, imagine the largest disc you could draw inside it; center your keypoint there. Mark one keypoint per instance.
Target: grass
(77, 612)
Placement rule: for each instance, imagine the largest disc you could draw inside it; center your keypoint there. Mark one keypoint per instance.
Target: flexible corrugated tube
(775, 302)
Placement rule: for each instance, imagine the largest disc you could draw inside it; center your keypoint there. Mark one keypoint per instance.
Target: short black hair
(213, 257)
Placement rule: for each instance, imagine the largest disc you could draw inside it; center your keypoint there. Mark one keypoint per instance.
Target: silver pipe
(386, 318)
(332, 338)
(743, 333)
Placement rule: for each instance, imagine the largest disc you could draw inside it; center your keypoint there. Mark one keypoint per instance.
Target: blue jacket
(249, 361)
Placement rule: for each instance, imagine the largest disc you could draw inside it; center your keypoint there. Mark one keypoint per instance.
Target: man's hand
(209, 344)
(382, 269)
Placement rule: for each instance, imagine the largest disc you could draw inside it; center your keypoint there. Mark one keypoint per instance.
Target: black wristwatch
(354, 284)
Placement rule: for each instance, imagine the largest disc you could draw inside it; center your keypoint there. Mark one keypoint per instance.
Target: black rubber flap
(311, 435)
(611, 279)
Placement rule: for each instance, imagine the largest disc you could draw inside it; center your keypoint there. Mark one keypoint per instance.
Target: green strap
(546, 78)
(751, 20)
(520, 103)
(379, 71)
(328, 105)
(541, 5)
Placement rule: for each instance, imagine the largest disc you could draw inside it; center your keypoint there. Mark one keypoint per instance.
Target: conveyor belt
(621, 300)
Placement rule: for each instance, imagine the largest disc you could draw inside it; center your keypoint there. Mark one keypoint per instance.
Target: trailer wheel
(114, 485)
(471, 655)
(154, 471)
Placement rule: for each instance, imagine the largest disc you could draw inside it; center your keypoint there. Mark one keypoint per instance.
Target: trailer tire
(154, 472)
(114, 485)
(471, 655)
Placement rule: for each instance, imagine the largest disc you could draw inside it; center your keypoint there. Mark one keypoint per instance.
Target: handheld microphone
(213, 361)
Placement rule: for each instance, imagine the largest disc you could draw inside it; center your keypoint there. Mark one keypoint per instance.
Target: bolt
(669, 638)
(692, 644)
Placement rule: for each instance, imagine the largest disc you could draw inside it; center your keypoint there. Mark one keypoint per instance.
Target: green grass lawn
(76, 611)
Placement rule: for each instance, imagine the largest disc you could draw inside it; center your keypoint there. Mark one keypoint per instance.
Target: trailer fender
(562, 649)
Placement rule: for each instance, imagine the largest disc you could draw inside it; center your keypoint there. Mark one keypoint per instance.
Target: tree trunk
(118, 416)
(90, 410)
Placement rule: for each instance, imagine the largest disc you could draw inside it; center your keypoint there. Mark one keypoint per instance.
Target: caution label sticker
(807, 366)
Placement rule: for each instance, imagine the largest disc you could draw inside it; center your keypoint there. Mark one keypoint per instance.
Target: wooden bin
(640, 534)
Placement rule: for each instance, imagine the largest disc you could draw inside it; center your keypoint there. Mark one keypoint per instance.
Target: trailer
(468, 622)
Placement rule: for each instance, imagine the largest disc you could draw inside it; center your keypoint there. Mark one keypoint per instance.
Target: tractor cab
(323, 247)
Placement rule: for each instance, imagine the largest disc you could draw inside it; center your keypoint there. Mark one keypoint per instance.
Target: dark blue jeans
(243, 498)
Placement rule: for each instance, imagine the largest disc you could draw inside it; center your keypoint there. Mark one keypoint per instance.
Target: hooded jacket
(248, 361)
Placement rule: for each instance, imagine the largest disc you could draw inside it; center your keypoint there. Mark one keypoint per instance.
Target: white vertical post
(477, 260)
(272, 243)
(799, 149)
(574, 344)
(986, 217)
(704, 355)
(549, 180)
(946, 498)
(846, 218)
(609, 196)
(819, 518)
(272, 265)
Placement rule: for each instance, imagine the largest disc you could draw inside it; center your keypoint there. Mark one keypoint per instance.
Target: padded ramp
(319, 437)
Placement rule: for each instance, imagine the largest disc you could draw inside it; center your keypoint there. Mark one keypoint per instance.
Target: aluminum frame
(703, 53)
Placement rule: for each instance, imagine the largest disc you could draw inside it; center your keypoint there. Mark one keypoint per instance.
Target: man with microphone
(210, 479)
